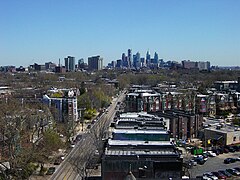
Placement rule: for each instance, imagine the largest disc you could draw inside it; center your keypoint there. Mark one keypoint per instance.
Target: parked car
(230, 148)
(210, 175)
(216, 151)
(204, 178)
(233, 172)
(237, 168)
(219, 175)
(205, 156)
(229, 160)
(194, 163)
(237, 148)
(225, 150)
(220, 150)
(212, 154)
(51, 170)
(199, 159)
(226, 173)
(238, 159)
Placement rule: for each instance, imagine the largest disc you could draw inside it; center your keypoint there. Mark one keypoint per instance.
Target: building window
(234, 138)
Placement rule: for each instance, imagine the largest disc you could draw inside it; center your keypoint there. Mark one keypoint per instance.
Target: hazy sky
(46, 30)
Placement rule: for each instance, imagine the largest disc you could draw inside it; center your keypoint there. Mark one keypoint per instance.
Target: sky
(46, 30)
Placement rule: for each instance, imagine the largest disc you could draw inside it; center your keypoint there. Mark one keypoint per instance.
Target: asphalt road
(70, 168)
(215, 164)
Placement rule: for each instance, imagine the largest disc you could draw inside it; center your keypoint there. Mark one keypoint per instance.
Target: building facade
(63, 104)
(95, 63)
(69, 63)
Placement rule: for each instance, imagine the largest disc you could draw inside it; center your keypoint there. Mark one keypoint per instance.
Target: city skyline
(48, 30)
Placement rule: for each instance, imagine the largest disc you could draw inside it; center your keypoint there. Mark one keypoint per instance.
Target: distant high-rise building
(70, 63)
(196, 65)
(113, 64)
(189, 64)
(130, 61)
(95, 63)
(119, 63)
(156, 60)
(148, 58)
(81, 64)
(161, 62)
(125, 60)
(203, 65)
(50, 66)
(137, 60)
(143, 62)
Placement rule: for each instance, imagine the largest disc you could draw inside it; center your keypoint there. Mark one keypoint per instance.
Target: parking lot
(215, 164)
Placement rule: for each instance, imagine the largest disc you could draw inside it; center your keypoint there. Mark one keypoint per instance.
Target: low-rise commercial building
(221, 134)
(147, 159)
(140, 142)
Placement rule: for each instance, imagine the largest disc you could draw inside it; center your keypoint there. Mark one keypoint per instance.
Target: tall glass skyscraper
(70, 63)
(148, 58)
(156, 60)
(130, 58)
(137, 60)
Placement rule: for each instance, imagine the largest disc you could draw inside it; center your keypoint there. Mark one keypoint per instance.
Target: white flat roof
(132, 94)
(118, 152)
(226, 82)
(150, 94)
(112, 142)
(137, 131)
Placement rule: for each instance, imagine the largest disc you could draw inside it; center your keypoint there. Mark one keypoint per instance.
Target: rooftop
(137, 131)
(136, 152)
(226, 82)
(136, 143)
(223, 129)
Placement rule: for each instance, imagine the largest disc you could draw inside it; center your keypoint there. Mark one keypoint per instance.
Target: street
(71, 167)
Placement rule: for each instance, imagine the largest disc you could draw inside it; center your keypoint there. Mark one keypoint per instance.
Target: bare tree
(99, 134)
(83, 164)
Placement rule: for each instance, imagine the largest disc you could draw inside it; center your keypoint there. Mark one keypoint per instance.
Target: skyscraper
(70, 63)
(81, 63)
(136, 60)
(156, 60)
(119, 63)
(95, 63)
(130, 57)
(148, 58)
(143, 62)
